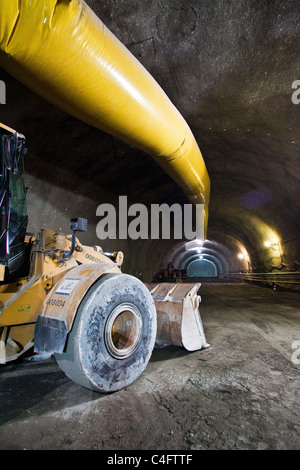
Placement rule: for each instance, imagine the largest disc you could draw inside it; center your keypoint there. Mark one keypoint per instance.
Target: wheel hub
(123, 331)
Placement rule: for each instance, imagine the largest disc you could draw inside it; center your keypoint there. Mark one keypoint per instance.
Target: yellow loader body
(22, 301)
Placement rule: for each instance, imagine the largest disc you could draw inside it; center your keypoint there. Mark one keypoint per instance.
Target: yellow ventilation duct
(62, 51)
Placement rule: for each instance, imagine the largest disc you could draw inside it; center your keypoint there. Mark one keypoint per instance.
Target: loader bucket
(178, 316)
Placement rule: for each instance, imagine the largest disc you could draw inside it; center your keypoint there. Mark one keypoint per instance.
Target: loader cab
(13, 205)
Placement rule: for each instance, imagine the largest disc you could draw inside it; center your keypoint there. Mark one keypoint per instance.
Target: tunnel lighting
(241, 256)
(275, 245)
(193, 245)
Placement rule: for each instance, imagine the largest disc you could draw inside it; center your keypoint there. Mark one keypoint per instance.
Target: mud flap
(178, 316)
(50, 335)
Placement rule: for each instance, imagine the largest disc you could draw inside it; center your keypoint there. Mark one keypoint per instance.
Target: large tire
(113, 335)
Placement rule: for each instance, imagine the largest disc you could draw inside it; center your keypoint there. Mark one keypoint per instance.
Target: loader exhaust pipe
(62, 51)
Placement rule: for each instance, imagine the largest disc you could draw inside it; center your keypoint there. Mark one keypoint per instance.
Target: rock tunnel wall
(229, 69)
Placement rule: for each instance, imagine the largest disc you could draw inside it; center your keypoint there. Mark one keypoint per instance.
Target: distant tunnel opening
(202, 268)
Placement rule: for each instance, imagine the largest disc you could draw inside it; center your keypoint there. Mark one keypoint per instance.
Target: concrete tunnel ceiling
(228, 67)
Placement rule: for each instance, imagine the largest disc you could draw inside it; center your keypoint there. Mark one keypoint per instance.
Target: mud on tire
(113, 334)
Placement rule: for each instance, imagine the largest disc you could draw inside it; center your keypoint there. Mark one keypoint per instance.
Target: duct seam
(13, 29)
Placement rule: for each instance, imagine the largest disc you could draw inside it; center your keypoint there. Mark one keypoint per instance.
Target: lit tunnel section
(211, 259)
(258, 242)
(201, 268)
(205, 265)
(250, 248)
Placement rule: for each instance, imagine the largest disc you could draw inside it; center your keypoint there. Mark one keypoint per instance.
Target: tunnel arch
(222, 256)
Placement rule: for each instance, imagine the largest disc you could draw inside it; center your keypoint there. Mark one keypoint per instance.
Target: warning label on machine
(67, 286)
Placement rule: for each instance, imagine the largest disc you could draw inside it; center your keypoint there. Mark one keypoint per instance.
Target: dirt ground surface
(241, 393)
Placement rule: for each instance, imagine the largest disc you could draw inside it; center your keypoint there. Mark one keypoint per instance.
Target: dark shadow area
(168, 353)
(23, 386)
(26, 383)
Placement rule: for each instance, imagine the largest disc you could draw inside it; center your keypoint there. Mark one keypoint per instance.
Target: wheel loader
(60, 297)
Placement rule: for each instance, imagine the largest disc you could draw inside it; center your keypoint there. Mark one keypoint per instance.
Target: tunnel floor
(241, 393)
